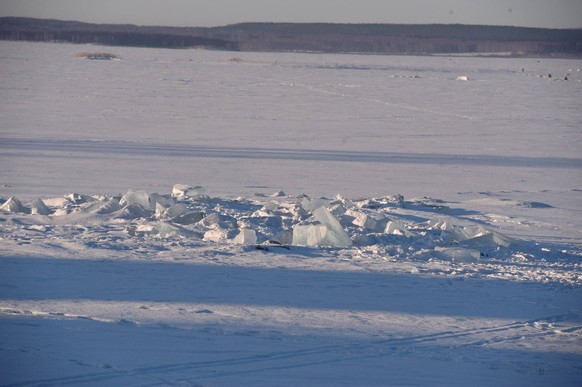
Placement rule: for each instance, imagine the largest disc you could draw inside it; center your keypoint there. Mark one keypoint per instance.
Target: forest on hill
(422, 39)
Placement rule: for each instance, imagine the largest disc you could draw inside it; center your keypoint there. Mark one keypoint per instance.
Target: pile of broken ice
(278, 220)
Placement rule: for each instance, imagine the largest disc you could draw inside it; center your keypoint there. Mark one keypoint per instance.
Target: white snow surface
(203, 218)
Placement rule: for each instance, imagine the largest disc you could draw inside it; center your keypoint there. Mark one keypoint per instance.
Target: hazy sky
(531, 13)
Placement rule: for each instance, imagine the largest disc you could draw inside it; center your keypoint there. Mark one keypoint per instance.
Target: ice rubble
(37, 207)
(14, 205)
(246, 237)
(285, 220)
(323, 229)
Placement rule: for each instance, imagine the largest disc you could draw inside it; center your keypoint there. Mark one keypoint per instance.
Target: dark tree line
(106, 34)
(134, 39)
(323, 37)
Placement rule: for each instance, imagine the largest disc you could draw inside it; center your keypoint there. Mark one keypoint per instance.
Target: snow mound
(97, 56)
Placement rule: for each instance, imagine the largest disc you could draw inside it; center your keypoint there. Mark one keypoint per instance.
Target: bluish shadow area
(88, 352)
(131, 280)
(106, 147)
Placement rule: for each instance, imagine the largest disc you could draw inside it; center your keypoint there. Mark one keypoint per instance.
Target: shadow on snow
(125, 280)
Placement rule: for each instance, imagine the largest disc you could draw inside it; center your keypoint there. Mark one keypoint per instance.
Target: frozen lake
(487, 153)
(390, 123)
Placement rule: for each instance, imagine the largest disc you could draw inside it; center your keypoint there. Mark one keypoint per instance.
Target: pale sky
(529, 13)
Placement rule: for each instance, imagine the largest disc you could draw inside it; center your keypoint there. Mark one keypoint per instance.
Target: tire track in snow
(378, 101)
(338, 353)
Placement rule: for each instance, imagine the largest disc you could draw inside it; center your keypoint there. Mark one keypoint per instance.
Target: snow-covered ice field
(364, 220)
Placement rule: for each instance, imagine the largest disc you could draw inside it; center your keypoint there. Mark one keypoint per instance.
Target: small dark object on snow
(272, 244)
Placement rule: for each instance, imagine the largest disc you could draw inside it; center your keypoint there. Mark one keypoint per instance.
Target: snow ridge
(389, 229)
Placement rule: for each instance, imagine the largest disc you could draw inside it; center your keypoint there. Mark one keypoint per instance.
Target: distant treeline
(45, 30)
(320, 37)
